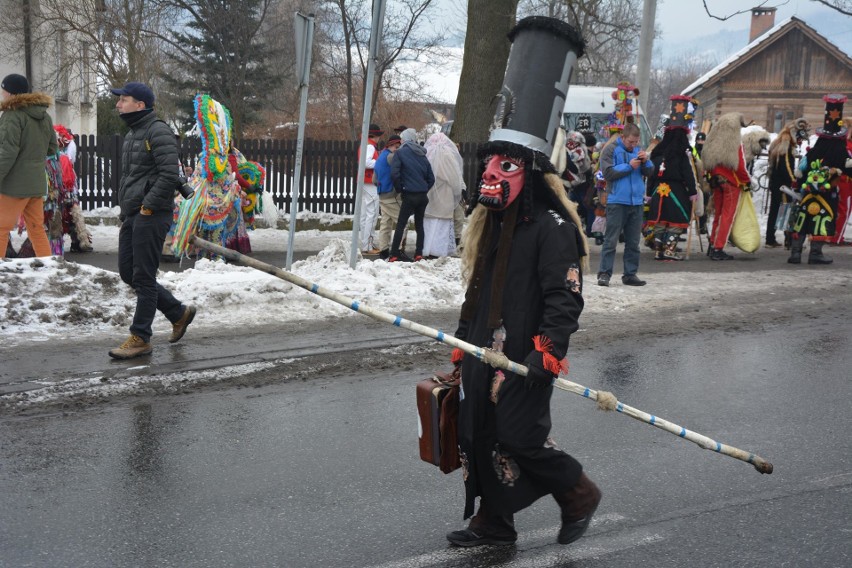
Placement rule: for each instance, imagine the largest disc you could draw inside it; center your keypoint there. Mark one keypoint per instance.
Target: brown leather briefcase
(437, 410)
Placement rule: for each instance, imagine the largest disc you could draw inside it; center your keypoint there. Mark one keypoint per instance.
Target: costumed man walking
(523, 257)
(783, 156)
(825, 167)
(724, 162)
(26, 139)
(370, 196)
(149, 178)
(843, 237)
(672, 186)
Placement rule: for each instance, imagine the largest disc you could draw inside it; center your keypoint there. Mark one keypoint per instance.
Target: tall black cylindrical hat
(832, 124)
(541, 63)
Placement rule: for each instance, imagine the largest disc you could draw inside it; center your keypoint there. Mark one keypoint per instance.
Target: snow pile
(42, 299)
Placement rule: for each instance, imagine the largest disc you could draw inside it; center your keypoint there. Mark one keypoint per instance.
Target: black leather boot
(577, 506)
(485, 528)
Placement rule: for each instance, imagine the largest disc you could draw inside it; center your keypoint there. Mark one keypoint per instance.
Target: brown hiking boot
(135, 346)
(179, 327)
(577, 506)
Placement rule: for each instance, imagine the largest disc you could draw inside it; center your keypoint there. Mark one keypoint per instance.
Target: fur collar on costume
(722, 147)
(751, 143)
(24, 100)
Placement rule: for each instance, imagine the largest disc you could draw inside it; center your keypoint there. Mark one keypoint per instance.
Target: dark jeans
(412, 204)
(140, 243)
(626, 218)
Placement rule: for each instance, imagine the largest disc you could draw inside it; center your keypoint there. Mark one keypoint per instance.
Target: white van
(587, 108)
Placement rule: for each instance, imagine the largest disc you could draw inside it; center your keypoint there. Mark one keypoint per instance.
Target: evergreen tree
(218, 48)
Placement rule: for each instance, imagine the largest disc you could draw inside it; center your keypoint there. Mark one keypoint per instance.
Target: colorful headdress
(682, 112)
(63, 134)
(625, 96)
(832, 124)
(214, 127)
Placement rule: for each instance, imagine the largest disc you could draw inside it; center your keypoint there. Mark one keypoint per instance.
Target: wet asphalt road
(325, 472)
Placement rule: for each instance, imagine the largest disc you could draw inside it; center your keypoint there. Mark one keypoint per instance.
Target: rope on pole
(605, 400)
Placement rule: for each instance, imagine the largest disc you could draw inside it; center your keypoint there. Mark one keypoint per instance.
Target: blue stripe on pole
(441, 336)
(355, 305)
(682, 433)
(314, 288)
(587, 392)
(751, 458)
(619, 407)
(397, 321)
(653, 419)
(718, 447)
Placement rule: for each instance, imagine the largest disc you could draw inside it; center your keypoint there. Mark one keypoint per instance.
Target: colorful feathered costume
(227, 186)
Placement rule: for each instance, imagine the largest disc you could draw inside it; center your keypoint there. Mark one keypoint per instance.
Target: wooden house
(782, 74)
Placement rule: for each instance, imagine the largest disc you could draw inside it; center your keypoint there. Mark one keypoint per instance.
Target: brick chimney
(762, 20)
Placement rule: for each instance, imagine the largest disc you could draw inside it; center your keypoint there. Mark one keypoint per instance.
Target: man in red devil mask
(523, 258)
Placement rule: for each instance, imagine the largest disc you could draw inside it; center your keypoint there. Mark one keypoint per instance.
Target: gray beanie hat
(409, 135)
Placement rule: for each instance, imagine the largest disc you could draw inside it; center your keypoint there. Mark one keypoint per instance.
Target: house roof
(758, 44)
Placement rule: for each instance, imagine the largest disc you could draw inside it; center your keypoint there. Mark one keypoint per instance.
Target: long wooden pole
(604, 399)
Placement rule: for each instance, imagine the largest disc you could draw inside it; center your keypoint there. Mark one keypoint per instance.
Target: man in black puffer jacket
(149, 177)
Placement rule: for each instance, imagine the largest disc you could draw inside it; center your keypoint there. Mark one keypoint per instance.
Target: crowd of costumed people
(810, 187)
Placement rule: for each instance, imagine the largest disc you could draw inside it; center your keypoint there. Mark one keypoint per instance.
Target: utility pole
(375, 38)
(646, 47)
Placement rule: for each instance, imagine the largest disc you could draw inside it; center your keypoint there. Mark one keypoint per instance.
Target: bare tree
(610, 27)
(110, 38)
(670, 78)
(842, 6)
(344, 59)
(745, 11)
(486, 51)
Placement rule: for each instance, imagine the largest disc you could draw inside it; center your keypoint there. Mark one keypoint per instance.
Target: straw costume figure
(223, 181)
(523, 257)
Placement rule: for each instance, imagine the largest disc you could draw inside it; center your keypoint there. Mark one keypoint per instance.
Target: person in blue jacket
(624, 164)
(412, 177)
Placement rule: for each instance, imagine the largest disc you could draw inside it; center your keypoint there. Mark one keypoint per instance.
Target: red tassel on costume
(457, 356)
(551, 363)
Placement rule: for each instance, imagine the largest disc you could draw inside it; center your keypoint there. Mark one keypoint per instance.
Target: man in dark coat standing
(149, 178)
(523, 257)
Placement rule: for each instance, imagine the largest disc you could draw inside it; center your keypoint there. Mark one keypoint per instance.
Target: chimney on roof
(762, 20)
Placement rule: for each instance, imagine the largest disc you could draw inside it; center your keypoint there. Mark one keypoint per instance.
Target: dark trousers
(140, 242)
(412, 204)
(772, 216)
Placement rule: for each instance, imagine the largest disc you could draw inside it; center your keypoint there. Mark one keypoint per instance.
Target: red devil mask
(502, 182)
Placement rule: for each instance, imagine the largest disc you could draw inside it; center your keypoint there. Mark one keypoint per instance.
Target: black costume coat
(670, 192)
(507, 456)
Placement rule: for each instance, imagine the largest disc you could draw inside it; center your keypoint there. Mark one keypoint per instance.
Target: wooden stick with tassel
(605, 400)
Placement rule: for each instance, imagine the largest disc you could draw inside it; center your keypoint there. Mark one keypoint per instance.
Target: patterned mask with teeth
(501, 182)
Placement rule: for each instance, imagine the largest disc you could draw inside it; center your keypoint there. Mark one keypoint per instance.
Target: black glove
(537, 375)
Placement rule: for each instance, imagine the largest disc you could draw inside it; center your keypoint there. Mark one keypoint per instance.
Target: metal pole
(300, 139)
(646, 47)
(375, 35)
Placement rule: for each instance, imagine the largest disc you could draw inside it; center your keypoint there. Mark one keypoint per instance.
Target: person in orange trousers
(22, 178)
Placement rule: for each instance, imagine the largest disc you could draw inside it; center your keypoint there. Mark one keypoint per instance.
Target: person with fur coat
(783, 155)
(26, 139)
(724, 161)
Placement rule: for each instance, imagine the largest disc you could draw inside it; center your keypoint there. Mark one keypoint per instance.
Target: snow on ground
(44, 299)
